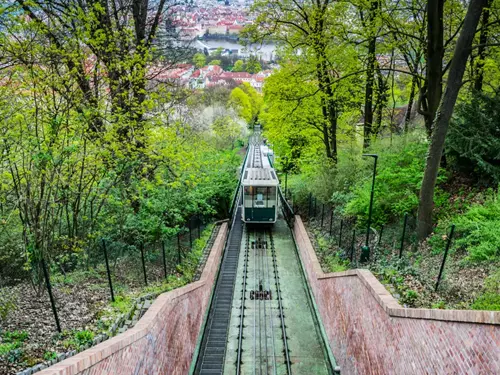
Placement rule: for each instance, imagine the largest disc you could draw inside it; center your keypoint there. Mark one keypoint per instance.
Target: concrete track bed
(273, 269)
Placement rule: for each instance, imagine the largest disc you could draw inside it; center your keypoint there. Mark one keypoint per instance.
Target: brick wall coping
(92, 356)
(384, 297)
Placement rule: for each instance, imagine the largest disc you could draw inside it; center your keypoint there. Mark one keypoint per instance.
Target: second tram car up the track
(259, 187)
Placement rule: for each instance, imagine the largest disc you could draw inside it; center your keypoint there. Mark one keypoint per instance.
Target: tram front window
(260, 197)
(259, 200)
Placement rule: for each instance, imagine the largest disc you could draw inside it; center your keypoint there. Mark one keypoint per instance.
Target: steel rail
(265, 287)
(254, 313)
(257, 252)
(271, 315)
(242, 313)
(280, 306)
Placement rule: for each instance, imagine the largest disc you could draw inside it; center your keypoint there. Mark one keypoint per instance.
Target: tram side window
(248, 196)
(271, 202)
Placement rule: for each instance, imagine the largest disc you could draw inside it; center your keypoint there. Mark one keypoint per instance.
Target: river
(265, 51)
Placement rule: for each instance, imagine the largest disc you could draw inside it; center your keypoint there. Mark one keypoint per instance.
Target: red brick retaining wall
(370, 333)
(164, 339)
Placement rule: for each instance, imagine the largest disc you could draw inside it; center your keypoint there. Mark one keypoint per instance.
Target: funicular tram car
(259, 187)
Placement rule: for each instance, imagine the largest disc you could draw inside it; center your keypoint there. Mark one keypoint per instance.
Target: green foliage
(227, 131)
(11, 345)
(477, 230)
(253, 65)
(399, 175)
(409, 297)
(83, 338)
(490, 298)
(49, 355)
(7, 304)
(215, 62)
(199, 60)
(238, 66)
(439, 305)
(246, 101)
(122, 304)
(474, 137)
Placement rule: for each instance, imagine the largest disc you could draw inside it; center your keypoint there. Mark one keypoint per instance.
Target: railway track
(262, 318)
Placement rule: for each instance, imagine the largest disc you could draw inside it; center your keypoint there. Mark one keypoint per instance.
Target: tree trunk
(457, 69)
(435, 52)
(411, 99)
(328, 104)
(483, 39)
(370, 73)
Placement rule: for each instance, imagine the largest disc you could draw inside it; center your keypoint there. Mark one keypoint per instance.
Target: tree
(215, 62)
(255, 98)
(227, 131)
(199, 60)
(371, 27)
(443, 116)
(325, 59)
(240, 101)
(253, 65)
(238, 66)
(218, 52)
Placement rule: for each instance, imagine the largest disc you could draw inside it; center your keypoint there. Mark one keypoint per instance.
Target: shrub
(399, 176)
(473, 140)
(11, 345)
(7, 305)
(476, 231)
(83, 338)
(490, 299)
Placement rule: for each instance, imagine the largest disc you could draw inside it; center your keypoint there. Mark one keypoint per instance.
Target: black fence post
(380, 236)
(322, 215)
(51, 296)
(107, 270)
(403, 236)
(452, 231)
(286, 183)
(199, 224)
(315, 206)
(179, 247)
(144, 264)
(164, 258)
(310, 205)
(190, 237)
(331, 222)
(353, 243)
(340, 232)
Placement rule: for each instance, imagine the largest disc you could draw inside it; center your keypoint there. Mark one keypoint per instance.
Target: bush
(7, 305)
(490, 299)
(11, 345)
(399, 176)
(476, 231)
(473, 140)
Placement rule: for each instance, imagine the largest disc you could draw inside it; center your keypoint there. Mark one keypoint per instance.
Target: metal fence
(393, 242)
(125, 266)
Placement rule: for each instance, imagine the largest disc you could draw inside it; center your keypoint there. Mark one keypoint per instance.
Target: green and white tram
(259, 187)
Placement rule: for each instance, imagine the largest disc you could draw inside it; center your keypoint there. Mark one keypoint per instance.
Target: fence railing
(396, 241)
(123, 265)
(236, 191)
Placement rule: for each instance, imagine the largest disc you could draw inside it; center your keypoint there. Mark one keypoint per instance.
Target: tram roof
(260, 177)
